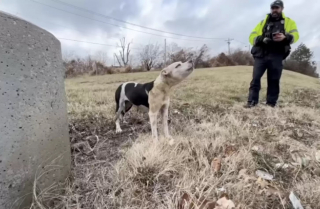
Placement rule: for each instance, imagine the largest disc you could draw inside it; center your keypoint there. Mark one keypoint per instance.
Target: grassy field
(208, 123)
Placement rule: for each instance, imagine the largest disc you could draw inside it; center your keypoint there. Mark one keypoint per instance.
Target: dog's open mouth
(190, 69)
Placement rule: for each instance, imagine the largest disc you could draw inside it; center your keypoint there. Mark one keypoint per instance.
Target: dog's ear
(164, 72)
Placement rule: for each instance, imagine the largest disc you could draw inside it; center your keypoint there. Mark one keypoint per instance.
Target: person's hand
(266, 40)
(279, 37)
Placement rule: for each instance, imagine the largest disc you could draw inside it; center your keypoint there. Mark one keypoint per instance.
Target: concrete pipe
(34, 140)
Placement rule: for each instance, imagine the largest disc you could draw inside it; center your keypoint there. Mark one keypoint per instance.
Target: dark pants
(273, 63)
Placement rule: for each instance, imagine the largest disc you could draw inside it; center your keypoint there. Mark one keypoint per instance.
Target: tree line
(152, 57)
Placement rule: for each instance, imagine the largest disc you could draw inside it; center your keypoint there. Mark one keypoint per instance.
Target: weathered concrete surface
(33, 115)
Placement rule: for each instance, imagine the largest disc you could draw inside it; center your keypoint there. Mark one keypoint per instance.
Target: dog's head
(176, 72)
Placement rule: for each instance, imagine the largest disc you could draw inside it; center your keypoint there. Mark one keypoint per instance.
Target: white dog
(154, 95)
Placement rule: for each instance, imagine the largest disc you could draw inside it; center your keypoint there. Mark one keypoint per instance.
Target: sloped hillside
(220, 148)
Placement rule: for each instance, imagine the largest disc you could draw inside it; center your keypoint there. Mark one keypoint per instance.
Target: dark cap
(277, 3)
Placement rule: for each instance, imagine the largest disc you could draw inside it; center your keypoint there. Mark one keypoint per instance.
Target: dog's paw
(118, 130)
(171, 141)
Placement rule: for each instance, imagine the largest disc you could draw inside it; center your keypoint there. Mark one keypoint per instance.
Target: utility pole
(165, 52)
(229, 42)
(249, 47)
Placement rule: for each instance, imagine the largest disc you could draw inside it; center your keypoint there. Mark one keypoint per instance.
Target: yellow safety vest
(289, 27)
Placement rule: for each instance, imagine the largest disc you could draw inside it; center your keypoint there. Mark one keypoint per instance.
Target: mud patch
(95, 148)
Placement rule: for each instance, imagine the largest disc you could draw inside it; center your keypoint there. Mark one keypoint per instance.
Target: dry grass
(207, 121)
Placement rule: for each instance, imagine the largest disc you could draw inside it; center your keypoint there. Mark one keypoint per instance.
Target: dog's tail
(117, 97)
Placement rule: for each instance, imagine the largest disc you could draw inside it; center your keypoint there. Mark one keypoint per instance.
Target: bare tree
(124, 52)
(177, 53)
(181, 55)
(172, 50)
(101, 57)
(68, 55)
(149, 56)
(199, 55)
(184, 54)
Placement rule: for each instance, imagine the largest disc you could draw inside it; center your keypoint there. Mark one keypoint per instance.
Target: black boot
(250, 104)
(270, 105)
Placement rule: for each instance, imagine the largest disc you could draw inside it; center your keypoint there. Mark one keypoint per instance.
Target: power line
(74, 30)
(112, 23)
(67, 39)
(240, 41)
(109, 17)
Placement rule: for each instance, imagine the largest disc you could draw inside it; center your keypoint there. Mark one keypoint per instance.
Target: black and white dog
(154, 95)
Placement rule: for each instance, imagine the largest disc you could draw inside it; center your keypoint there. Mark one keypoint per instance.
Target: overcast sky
(202, 18)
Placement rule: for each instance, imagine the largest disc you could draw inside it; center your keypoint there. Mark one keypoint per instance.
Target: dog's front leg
(153, 123)
(165, 112)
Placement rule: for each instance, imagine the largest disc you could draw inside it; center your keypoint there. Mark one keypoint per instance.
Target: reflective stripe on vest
(292, 31)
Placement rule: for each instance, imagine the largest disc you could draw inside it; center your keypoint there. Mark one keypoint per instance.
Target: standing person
(271, 40)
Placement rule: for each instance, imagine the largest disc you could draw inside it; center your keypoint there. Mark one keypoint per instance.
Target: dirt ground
(208, 123)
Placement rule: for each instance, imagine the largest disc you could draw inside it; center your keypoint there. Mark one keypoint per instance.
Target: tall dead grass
(207, 121)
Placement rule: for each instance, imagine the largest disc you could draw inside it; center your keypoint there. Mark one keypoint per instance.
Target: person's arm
(288, 38)
(257, 40)
(254, 39)
(292, 35)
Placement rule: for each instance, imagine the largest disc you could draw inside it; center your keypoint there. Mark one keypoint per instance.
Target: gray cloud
(206, 18)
